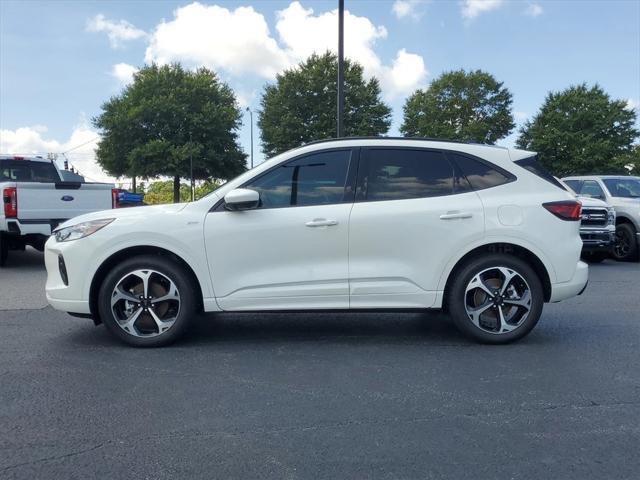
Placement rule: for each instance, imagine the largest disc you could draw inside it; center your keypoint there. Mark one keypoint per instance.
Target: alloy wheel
(145, 303)
(622, 245)
(498, 300)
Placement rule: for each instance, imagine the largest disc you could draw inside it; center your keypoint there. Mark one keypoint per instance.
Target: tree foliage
(466, 106)
(164, 118)
(581, 130)
(301, 106)
(162, 191)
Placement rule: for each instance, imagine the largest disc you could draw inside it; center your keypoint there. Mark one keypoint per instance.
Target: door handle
(321, 222)
(455, 215)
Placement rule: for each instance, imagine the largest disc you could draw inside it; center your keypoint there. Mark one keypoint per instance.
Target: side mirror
(241, 199)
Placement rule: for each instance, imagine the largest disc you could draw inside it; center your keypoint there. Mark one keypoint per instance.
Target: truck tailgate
(47, 201)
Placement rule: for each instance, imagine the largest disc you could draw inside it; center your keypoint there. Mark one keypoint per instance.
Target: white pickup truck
(35, 199)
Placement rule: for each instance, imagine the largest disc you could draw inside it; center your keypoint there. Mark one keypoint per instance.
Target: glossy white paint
(386, 254)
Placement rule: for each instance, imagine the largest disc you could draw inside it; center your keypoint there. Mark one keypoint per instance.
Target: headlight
(611, 216)
(81, 230)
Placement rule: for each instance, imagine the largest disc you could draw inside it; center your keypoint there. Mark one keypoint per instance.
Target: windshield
(623, 187)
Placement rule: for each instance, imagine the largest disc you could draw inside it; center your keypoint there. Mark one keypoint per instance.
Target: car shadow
(343, 327)
(29, 259)
(434, 329)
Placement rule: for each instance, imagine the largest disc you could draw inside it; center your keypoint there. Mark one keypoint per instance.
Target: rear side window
(532, 164)
(479, 174)
(400, 174)
(27, 171)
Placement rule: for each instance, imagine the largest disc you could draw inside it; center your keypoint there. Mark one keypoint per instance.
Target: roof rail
(430, 139)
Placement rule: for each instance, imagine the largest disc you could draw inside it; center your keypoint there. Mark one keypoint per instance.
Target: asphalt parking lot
(322, 395)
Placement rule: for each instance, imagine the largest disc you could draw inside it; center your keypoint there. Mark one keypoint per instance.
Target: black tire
(4, 250)
(457, 298)
(165, 268)
(626, 245)
(595, 257)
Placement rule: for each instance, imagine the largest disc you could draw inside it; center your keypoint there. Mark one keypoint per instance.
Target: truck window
(28, 171)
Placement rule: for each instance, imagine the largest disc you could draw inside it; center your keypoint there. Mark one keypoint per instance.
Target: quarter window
(398, 174)
(480, 175)
(316, 179)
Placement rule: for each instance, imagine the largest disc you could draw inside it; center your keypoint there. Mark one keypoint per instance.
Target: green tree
(467, 106)
(162, 191)
(301, 106)
(581, 130)
(167, 117)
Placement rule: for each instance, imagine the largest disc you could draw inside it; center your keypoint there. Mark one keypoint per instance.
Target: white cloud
(633, 104)
(118, 32)
(472, 8)
(534, 10)
(239, 42)
(123, 72)
(405, 75)
(407, 9)
(32, 141)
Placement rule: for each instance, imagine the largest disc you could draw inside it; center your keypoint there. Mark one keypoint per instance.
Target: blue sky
(59, 60)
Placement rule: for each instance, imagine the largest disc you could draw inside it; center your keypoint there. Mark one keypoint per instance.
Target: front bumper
(593, 240)
(575, 286)
(67, 298)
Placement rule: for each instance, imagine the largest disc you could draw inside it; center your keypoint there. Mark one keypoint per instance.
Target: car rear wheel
(495, 299)
(626, 248)
(147, 301)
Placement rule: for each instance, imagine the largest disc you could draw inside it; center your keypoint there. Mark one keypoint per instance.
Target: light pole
(251, 120)
(340, 123)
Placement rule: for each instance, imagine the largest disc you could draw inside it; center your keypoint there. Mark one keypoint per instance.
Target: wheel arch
(508, 248)
(130, 252)
(624, 219)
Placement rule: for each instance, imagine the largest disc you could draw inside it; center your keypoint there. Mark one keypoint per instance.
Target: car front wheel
(147, 301)
(495, 299)
(626, 247)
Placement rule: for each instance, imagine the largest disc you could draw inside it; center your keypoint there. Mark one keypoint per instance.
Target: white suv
(479, 231)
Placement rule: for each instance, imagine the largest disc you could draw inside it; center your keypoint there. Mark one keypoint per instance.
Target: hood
(591, 202)
(144, 211)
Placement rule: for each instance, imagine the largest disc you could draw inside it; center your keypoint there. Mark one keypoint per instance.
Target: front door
(292, 251)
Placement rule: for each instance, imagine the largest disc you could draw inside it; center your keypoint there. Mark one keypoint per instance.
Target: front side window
(315, 179)
(400, 174)
(623, 187)
(590, 188)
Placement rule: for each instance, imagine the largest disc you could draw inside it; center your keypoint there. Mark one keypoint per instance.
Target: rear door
(413, 212)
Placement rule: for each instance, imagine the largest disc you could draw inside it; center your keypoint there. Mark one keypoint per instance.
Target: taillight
(10, 202)
(114, 198)
(565, 210)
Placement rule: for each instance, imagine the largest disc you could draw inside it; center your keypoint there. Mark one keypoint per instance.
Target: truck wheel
(626, 246)
(4, 250)
(147, 301)
(495, 299)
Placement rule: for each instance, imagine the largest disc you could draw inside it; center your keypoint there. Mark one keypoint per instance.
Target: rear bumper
(575, 286)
